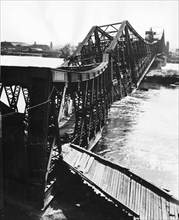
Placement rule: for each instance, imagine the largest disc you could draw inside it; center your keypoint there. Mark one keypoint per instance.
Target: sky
(69, 21)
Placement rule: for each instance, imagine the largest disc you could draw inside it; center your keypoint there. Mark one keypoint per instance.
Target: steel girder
(127, 56)
(92, 101)
(39, 134)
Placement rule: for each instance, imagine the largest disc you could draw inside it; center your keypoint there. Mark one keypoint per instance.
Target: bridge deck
(138, 197)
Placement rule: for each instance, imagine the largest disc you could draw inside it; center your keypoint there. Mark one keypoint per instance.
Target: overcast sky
(69, 21)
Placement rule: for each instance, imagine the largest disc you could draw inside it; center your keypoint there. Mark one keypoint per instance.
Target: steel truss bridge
(107, 65)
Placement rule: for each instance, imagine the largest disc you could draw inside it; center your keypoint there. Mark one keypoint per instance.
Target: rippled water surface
(142, 134)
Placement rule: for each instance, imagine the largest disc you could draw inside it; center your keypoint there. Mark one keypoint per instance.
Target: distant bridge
(64, 114)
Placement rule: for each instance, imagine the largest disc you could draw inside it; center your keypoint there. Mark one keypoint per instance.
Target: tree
(66, 51)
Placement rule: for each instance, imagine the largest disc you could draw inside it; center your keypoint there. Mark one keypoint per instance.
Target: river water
(142, 133)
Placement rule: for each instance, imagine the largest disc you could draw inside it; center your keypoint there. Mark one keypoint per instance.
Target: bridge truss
(106, 66)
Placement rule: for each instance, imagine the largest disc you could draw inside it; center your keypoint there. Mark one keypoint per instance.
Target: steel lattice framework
(107, 65)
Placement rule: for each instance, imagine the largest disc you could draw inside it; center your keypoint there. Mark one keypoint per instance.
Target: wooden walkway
(139, 198)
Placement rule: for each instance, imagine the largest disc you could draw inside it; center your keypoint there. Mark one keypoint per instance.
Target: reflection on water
(142, 134)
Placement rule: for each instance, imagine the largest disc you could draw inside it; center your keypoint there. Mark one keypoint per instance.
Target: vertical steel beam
(1, 166)
(38, 119)
(90, 131)
(130, 55)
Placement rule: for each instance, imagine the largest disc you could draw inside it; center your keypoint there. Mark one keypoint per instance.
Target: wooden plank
(119, 186)
(140, 201)
(127, 183)
(122, 188)
(149, 201)
(76, 164)
(73, 158)
(144, 202)
(103, 181)
(82, 161)
(112, 182)
(82, 168)
(99, 174)
(70, 155)
(128, 192)
(92, 169)
(152, 206)
(160, 207)
(90, 162)
(172, 211)
(164, 210)
(167, 208)
(115, 183)
(155, 207)
(136, 197)
(140, 198)
(131, 194)
(108, 190)
(65, 151)
(95, 170)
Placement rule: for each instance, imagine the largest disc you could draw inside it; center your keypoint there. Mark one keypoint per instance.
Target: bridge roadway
(107, 65)
(138, 197)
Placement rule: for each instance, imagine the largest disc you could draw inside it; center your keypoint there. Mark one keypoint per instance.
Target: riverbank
(163, 76)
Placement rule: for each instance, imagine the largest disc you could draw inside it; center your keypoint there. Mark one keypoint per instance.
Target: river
(142, 133)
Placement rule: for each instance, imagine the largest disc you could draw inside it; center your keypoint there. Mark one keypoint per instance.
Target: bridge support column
(1, 166)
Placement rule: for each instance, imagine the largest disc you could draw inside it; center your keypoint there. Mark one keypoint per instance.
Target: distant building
(6, 44)
(24, 49)
(44, 47)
